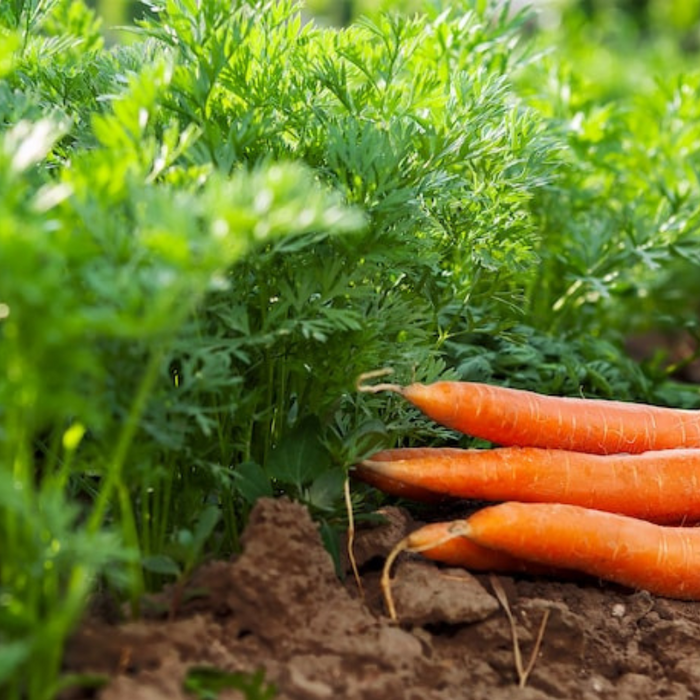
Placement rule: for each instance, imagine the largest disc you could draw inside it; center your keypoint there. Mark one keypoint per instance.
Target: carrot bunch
(604, 488)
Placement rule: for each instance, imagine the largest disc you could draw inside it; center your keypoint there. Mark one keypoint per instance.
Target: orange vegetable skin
(662, 560)
(661, 486)
(438, 542)
(400, 489)
(514, 417)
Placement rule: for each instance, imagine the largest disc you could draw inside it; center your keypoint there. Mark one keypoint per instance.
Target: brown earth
(280, 607)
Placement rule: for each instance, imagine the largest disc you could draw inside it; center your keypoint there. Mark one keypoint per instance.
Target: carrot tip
(360, 384)
(386, 576)
(351, 538)
(408, 544)
(373, 465)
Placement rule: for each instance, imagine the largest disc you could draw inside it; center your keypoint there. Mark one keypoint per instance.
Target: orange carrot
(661, 486)
(439, 542)
(662, 560)
(443, 542)
(508, 416)
(400, 489)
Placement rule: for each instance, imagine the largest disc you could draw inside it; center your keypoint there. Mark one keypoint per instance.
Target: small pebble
(618, 610)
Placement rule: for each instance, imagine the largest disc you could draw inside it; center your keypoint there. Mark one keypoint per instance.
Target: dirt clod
(425, 594)
(280, 607)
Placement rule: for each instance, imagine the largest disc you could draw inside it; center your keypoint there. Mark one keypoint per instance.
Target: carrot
(508, 416)
(398, 488)
(661, 486)
(662, 560)
(444, 543)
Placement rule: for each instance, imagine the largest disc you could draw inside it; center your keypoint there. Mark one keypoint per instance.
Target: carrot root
(360, 383)
(398, 488)
(407, 544)
(522, 671)
(386, 577)
(662, 560)
(660, 486)
(351, 538)
(508, 416)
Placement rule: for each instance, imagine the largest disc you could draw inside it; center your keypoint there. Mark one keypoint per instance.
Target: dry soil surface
(280, 607)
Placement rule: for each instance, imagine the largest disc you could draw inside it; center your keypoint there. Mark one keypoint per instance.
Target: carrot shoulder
(509, 416)
(661, 486)
(635, 553)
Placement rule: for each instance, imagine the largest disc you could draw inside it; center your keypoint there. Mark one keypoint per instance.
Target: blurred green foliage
(677, 16)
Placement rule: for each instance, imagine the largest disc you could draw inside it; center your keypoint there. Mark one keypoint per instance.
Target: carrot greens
(211, 227)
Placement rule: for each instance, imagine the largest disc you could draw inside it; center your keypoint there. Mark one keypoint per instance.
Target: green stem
(116, 466)
(164, 515)
(130, 536)
(228, 507)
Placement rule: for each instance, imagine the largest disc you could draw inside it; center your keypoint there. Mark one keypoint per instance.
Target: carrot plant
(207, 233)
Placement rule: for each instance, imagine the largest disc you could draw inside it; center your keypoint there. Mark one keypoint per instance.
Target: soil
(280, 609)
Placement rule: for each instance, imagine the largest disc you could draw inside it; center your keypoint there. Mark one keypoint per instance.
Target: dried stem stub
(362, 386)
(522, 671)
(351, 538)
